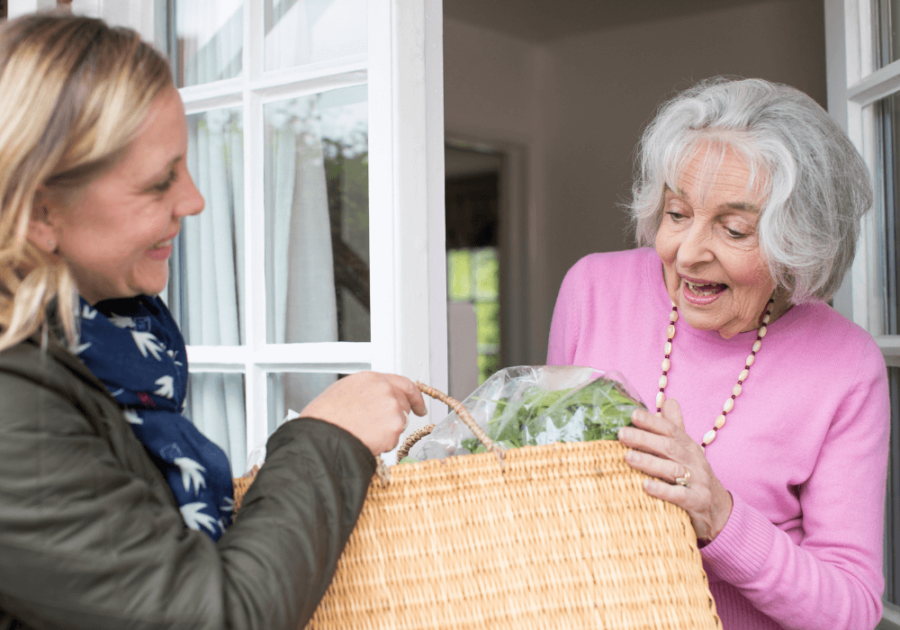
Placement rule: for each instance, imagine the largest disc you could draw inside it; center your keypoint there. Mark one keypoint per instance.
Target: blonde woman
(114, 511)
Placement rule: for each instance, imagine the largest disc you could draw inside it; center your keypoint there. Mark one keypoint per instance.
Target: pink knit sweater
(804, 453)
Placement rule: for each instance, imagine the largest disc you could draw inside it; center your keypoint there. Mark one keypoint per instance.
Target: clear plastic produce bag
(533, 406)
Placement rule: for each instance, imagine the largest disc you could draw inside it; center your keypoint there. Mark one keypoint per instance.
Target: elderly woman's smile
(714, 269)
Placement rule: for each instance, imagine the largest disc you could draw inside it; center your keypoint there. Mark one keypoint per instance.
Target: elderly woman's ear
(41, 227)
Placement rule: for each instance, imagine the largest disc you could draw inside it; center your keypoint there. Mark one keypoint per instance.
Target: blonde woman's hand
(370, 405)
(664, 451)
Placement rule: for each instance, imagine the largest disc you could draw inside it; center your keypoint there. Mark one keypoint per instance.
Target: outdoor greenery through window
(474, 276)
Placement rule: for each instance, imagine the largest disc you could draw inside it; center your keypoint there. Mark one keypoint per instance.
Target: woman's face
(714, 270)
(116, 235)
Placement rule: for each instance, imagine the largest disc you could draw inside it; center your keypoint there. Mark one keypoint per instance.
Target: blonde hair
(75, 93)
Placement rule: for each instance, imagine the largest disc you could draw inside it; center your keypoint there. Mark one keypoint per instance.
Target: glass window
(207, 280)
(208, 40)
(214, 397)
(290, 392)
(887, 32)
(276, 274)
(302, 32)
(887, 176)
(892, 508)
(473, 275)
(317, 218)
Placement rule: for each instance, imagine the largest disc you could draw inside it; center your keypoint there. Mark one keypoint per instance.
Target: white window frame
(403, 70)
(853, 87)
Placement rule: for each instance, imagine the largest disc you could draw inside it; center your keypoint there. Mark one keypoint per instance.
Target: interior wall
(492, 95)
(578, 105)
(603, 88)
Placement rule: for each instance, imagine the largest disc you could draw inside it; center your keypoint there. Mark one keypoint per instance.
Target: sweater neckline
(657, 285)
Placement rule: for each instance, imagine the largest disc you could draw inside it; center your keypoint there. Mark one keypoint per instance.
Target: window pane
(887, 171)
(886, 23)
(317, 218)
(207, 279)
(473, 275)
(203, 38)
(215, 404)
(300, 32)
(289, 393)
(208, 41)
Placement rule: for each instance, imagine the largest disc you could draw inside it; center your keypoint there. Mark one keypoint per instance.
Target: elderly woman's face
(116, 236)
(714, 270)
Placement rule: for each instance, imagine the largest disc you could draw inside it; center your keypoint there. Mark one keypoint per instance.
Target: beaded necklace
(736, 390)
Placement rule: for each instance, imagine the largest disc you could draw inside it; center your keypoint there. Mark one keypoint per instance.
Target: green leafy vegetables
(595, 411)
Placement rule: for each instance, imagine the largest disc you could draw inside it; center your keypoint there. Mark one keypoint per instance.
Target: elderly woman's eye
(735, 234)
(675, 216)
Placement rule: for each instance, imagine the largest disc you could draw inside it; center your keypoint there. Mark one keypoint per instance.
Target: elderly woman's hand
(370, 405)
(663, 450)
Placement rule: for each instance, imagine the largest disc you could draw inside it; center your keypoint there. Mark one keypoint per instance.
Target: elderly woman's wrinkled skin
(718, 278)
(714, 270)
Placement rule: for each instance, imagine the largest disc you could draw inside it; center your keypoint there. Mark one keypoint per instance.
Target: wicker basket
(558, 536)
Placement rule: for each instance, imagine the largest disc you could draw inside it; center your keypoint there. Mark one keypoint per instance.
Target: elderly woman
(772, 417)
(99, 472)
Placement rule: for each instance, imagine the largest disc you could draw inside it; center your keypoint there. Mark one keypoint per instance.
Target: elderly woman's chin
(721, 309)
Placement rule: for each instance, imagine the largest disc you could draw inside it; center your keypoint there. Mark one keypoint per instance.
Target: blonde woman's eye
(164, 185)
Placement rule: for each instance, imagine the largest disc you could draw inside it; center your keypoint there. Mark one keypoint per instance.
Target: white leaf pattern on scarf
(166, 386)
(147, 342)
(191, 473)
(195, 519)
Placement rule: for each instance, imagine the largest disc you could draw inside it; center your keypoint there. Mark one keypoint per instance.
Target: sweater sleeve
(833, 579)
(87, 544)
(564, 325)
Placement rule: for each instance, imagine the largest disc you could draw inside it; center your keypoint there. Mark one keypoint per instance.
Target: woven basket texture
(558, 537)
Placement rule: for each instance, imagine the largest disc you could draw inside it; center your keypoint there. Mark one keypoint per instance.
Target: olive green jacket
(91, 537)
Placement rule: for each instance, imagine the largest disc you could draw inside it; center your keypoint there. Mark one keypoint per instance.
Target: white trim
(437, 237)
(890, 348)
(306, 357)
(381, 190)
(18, 8)
(231, 92)
(878, 85)
(254, 306)
(838, 41)
(407, 251)
(890, 618)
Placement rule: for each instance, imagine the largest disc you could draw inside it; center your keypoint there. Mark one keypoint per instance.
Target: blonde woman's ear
(41, 232)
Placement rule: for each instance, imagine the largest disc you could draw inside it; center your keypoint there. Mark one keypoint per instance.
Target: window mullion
(254, 225)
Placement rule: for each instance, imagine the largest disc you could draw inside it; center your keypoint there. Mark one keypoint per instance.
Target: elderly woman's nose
(695, 246)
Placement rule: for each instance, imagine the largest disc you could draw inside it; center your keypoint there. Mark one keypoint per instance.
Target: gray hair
(816, 186)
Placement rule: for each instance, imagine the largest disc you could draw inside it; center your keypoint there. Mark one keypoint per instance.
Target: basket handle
(464, 415)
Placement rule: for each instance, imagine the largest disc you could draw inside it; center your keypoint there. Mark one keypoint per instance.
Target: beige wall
(578, 105)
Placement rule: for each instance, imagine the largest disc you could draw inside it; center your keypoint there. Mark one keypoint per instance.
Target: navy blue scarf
(135, 348)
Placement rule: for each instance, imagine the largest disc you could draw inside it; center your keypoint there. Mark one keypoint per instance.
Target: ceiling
(545, 20)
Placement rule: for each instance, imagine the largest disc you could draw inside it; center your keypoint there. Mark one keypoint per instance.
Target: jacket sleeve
(87, 544)
(832, 579)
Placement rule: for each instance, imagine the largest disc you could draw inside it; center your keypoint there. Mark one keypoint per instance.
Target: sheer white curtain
(207, 284)
(211, 275)
(300, 262)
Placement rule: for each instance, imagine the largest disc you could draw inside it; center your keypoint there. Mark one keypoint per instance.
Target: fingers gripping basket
(558, 536)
